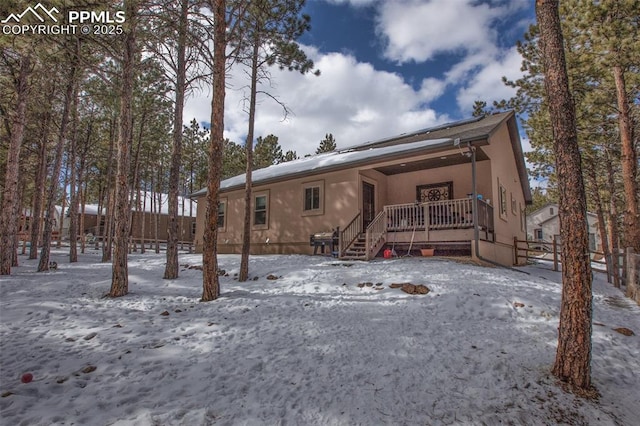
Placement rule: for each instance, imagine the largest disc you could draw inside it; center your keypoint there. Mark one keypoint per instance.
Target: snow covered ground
(308, 348)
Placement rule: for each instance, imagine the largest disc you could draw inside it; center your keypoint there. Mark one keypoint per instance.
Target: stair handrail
(349, 233)
(375, 232)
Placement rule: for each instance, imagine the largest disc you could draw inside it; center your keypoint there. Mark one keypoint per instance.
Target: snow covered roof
(555, 215)
(335, 160)
(57, 210)
(473, 130)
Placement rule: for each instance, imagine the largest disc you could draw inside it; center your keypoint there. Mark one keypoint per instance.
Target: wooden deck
(418, 225)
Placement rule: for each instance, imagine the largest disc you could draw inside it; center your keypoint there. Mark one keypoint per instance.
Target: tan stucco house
(459, 188)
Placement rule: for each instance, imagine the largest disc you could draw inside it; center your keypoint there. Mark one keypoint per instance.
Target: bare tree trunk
(108, 205)
(38, 196)
(158, 213)
(43, 264)
(40, 181)
(573, 356)
(136, 180)
(10, 190)
(16, 215)
(99, 232)
(246, 236)
(591, 175)
(23, 226)
(629, 164)
(120, 272)
(171, 268)
(134, 219)
(143, 222)
(107, 241)
(614, 235)
(183, 222)
(74, 187)
(63, 205)
(82, 187)
(210, 280)
(191, 232)
(83, 200)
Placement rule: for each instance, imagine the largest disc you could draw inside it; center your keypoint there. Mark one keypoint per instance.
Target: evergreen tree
(210, 281)
(233, 160)
(269, 28)
(120, 274)
(267, 153)
(592, 48)
(20, 65)
(573, 356)
(195, 164)
(289, 156)
(328, 144)
(480, 109)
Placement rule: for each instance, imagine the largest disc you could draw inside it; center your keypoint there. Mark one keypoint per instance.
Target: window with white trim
(261, 211)
(313, 198)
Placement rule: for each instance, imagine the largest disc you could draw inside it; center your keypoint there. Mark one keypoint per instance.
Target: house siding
(288, 228)
(504, 172)
(402, 187)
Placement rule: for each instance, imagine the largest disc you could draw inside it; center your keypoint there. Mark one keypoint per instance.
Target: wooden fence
(629, 262)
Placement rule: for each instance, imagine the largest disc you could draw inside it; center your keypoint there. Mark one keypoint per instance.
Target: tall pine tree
(573, 356)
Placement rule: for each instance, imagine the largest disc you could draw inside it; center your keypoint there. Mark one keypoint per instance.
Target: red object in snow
(26, 378)
(387, 254)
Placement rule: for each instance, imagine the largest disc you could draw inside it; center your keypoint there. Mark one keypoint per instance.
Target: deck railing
(349, 234)
(434, 215)
(429, 216)
(375, 234)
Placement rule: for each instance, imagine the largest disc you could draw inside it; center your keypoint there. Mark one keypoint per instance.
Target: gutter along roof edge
(362, 157)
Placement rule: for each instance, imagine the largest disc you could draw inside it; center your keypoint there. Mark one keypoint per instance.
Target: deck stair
(365, 245)
(358, 248)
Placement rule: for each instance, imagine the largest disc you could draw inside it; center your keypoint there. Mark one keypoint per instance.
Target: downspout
(474, 203)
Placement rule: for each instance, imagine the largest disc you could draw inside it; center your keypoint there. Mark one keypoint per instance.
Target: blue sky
(387, 67)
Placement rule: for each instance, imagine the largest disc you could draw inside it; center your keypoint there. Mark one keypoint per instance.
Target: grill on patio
(323, 239)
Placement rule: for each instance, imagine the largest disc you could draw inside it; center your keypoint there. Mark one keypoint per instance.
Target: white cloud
(417, 30)
(428, 30)
(350, 99)
(432, 88)
(487, 85)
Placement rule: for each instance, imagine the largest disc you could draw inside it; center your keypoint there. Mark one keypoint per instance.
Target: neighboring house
(150, 212)
(26, 221)
(411, 191)
(544, 225)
